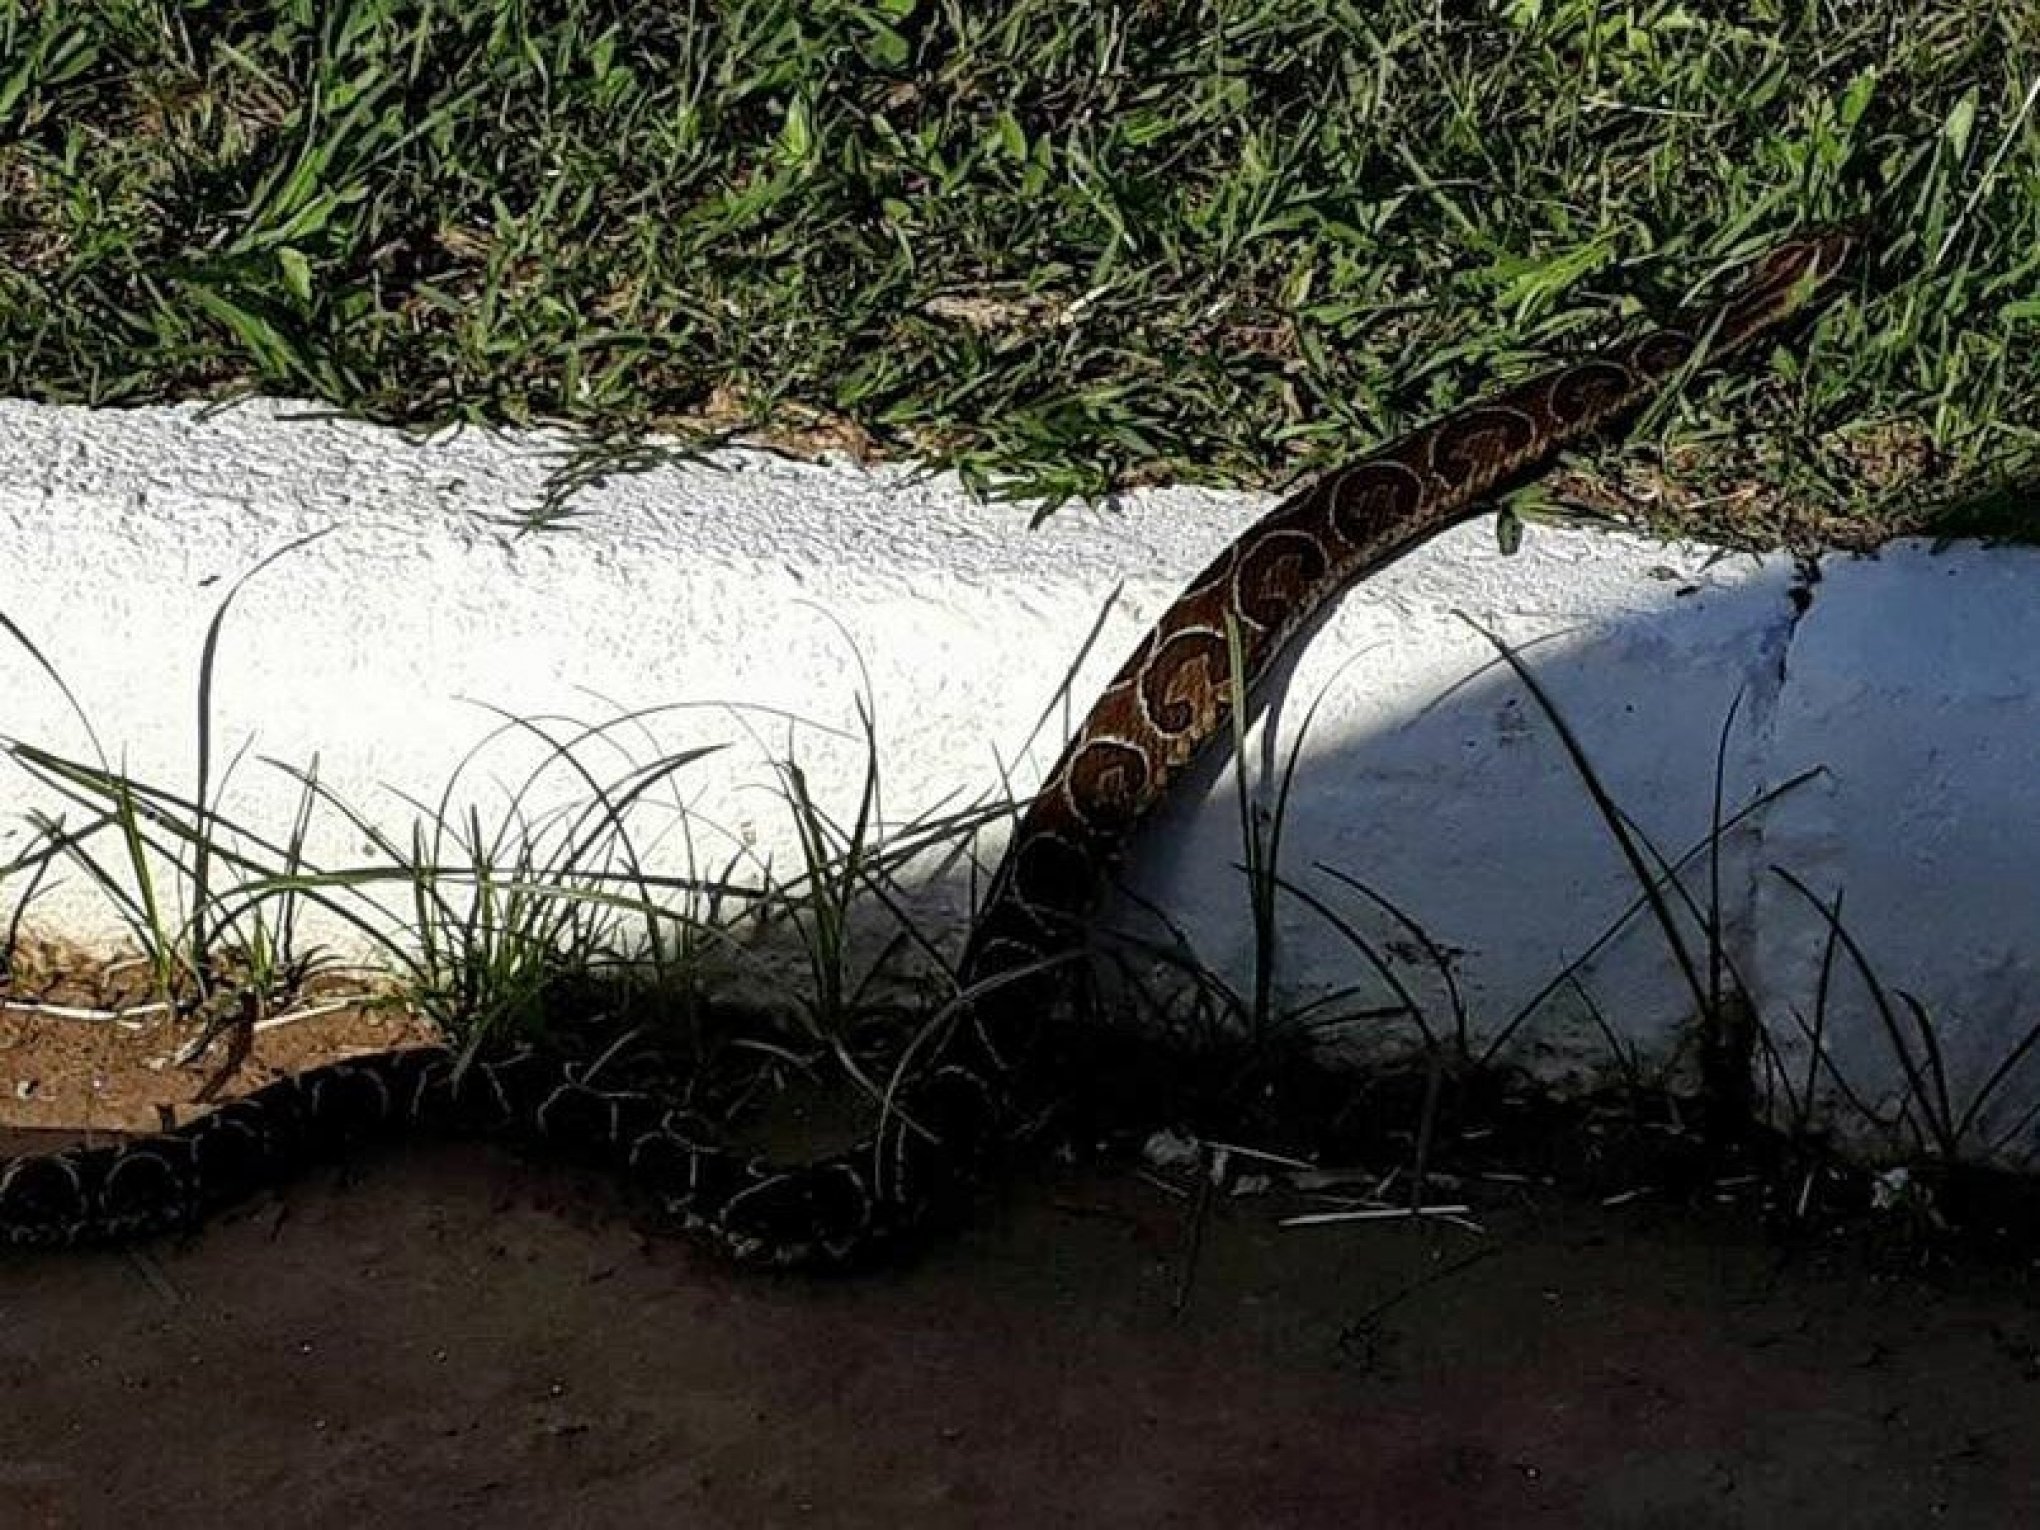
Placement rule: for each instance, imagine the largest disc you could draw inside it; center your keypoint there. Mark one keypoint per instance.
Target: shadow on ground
(449, 1337)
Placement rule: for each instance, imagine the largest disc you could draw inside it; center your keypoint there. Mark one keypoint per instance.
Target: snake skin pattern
(1170, 698)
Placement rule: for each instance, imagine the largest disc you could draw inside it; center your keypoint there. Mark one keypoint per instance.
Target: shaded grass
(1060, 248)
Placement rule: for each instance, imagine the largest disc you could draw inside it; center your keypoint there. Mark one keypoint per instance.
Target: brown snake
(1170, 699)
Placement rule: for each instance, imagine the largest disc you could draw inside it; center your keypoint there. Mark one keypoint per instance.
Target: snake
(975, 1074)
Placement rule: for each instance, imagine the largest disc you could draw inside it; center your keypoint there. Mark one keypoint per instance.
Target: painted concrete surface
(767, 607)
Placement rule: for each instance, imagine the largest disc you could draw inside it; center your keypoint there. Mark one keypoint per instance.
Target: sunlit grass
(1060, 247)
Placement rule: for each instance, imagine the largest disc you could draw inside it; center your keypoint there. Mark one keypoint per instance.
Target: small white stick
(1457, 1213)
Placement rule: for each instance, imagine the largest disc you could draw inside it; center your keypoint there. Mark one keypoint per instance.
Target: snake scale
(1169, 699)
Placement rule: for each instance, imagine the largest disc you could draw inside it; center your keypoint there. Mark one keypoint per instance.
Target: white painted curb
(761, 598)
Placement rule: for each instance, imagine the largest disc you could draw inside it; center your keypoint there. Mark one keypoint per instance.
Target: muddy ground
(447, 1335)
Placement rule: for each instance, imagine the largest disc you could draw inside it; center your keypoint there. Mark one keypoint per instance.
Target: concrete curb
(757, 599)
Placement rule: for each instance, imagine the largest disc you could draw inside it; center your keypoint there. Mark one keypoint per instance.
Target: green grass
(1059, 247)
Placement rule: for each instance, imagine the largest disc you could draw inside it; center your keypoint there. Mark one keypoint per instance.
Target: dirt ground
(449, 1336)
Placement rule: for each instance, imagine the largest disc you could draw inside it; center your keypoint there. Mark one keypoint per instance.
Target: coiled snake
(1171, 697)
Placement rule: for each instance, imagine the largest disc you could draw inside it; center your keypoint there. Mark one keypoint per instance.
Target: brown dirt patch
(446, 1336)
(450, 1338)
(89, 1048)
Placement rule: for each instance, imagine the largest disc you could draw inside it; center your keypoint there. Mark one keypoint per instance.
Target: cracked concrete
(749, 602)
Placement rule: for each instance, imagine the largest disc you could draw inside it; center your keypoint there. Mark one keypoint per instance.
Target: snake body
(1170, 698)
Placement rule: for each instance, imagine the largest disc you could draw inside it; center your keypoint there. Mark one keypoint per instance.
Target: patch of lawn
(1059, 247)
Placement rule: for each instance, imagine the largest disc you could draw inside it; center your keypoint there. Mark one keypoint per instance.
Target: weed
(186, 953)
(1929, 1112)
